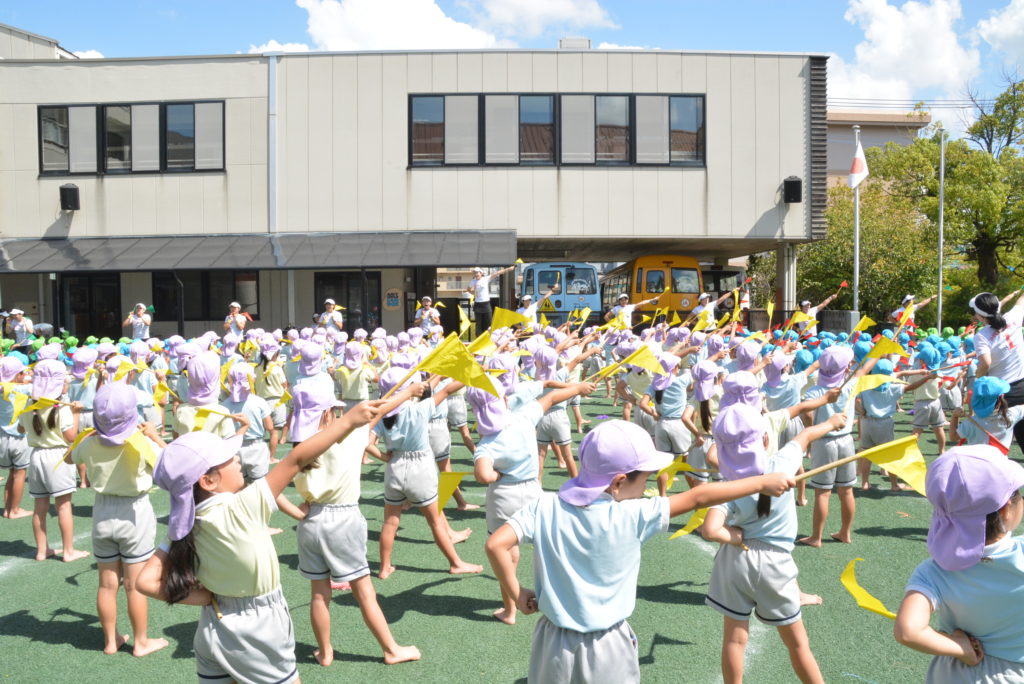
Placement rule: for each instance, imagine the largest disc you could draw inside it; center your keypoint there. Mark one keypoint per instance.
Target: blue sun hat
(985, 392)
(929, 357)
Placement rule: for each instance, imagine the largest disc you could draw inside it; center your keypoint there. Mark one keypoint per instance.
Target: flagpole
(856, 230)
(942, 192)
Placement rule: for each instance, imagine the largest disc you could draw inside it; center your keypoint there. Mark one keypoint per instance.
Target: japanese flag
(859, 168)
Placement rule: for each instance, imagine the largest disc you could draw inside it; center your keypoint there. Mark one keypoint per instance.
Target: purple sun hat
(10, 366)
(204, 379)
(741, 387)
(614, 447)
(704, 375)
(669, 363)
(492, 414)
(180, 466)
(359, 335)
(49, 351)
(82, 360)
(546, 361)
(105, 349)
(354, 354)
(715, 344)
(746, 354)
(390, 378)
(48, 379)
(508, 379)
(833, 364)
(739, 436)
(309, 401)
(138, 351)
(310, 359)
(775, 370)
(964, 485)
(269, 346)
(116, 413)
(240, 380)
(229, 344)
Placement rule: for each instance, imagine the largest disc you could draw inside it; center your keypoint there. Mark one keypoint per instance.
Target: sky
(908, 50)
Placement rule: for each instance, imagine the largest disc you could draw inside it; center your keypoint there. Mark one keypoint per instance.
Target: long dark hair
(182, 559)
(994, 527)
(988, 306)
(705, 415)
(51, 420)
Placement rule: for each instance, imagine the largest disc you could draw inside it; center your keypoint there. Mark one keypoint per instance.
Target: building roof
(908, 118)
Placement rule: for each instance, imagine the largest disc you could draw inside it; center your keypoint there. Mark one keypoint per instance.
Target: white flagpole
(942, 193)
(856, 231)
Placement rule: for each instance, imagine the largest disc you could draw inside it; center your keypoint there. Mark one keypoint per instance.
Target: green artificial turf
(49, 630)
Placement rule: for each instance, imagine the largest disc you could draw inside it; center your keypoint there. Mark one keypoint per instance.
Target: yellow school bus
(649, 276)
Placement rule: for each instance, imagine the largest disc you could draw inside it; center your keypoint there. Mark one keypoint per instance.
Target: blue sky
(893, 49)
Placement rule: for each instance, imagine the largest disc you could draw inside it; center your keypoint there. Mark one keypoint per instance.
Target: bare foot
(17, 513)
(801, 502)
(402, 654)
(324, 659)
(50, 553)
(810, 599)
(464, 568)
(150, 646)
(274, 530)
(274, 460)
(865, 486)
(367, 460)
(83, 485)
(119, 641)
(899, 487)
(508, 617)
(809, 541)
(340, 586)
(386, 572)
(841, 538)
(468, 507)
(460, 536)
(73, 555)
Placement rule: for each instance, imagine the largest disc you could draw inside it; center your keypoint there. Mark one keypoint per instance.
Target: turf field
(49, 630)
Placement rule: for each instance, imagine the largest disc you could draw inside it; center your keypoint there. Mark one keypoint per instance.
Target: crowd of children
(736, 411)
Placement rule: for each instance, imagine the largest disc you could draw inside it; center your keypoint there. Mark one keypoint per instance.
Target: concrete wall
(15, 44)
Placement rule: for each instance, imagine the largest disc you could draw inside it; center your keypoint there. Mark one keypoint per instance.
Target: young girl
(203, 392)
(271, 386)
(992, 420)
(928, 412)
(707, 392)
(754, 568)
(353, 376)
(587, 543)
(123, 523)
(974, 579)
(220, 555)
(878, 407)
(14, 450)
(255, 452)
(48, 432)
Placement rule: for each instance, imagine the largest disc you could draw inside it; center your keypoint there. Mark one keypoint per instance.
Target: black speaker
(792, 190)
(69, 197)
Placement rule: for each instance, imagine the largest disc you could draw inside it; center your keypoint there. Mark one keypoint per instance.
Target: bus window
(685, 280)
(547, 280)
(655, 281)
(639, 280)
(728, 281)
(528, 282)
(580, 282)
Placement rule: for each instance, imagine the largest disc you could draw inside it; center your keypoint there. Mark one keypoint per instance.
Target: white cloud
(274, 46)
(531, 18)
(616, 46)
(1004, 30)
(905, 49)
(88, 54)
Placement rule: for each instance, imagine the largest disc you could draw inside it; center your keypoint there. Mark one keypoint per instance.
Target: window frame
(204, 278)
(102, 160)
(630, 132)
(703, 133)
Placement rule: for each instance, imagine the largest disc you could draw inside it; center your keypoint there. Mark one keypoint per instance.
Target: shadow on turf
(911, 533)
(83, 632)
(18, 548)
(416, 600)
(666, 593)
(304, 654)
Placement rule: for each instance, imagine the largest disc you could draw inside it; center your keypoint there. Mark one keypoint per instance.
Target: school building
(280, 179)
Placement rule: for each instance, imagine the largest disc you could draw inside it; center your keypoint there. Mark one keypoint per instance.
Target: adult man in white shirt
(427, 315)
(480, 288)
(528, 308)
(331, 318)
(895, 316)
(704, 303)
(626, 309)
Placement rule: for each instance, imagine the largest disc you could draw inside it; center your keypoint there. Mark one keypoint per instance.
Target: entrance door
(347, 289)
(91, 304)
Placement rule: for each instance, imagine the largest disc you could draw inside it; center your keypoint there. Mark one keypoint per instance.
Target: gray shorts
(697, 457)
(153, 414)
(332, 543)
(991, 670)
(554, 427)
(46, 478)
(829, 450)
(505, 499)
(457, 411)
(14, 452)
(278, 413)
(410, 476)
(123, 528)
(86, 420)
(575, 400)
(255, 458)
(950, 399)
(928, 414)
(672, 436)
(761, 580)
(793, 428)
(876, 431)
(253, 641)
(440, 439)
(565, 656)
(644, 420)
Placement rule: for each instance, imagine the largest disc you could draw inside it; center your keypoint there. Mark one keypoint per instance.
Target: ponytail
(182, 559)
(987, 306)
(705, 415)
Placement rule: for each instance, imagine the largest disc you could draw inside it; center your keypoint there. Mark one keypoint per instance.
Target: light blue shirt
(145, 383)
(409, 433)
(513, 449)
(994, 424)
(882, 403)
(673, 399)
(823, 413)
(524, 394)
(561, 375)
(83, 392)
(779, 527)
(985, 600)
(255, 409)
(586, 558)
(7, 411)
(787, 393)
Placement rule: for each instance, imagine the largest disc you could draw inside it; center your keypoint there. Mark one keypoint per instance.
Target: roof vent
(574, 43)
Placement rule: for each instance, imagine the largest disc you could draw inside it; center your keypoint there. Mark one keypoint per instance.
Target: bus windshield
(580, 282)
(685, 280)
(548, 280)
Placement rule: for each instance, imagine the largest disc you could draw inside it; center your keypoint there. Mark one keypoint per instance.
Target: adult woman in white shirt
(139, 321)
(999, 346)
(480, 288)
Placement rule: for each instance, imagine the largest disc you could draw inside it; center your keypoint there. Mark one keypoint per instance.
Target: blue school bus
(574, 284)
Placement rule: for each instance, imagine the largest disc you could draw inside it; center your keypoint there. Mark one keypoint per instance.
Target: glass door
(362, 302)
(91, 304)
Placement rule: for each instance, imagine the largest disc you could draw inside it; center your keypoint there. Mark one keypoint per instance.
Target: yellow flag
(544, 320)
(902, 458)
(645, 318)
(18, 401)
(447, 483)
(644, 358)
(503, 318)
(758, 335)
(440, 305)
(583, 314)
(869, 382)
(482, 345)
(863, 324)
(224, 372)
(203, 413)
(41, 403)
(81, 435)
(162, 390)
(723, 320)
(141, 448)
(671, 470)
(124, 369)
(884, 347)
(736, 304)
(463, 323)
(907, 313)
(798, 317)
(452, 359)
(285, 398)
(863, 598)
(676, 320)
(695, 521)
(769, 309)
(519, 261)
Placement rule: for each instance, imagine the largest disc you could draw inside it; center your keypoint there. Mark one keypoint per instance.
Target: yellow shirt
(220, 425)
(929, 391)
(51, 438)
(237, 557)
(114, 470)
(353, 385)
(336, 481)
(269, 382)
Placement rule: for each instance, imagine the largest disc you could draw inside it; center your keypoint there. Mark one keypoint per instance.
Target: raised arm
(825, 302)
(714, 493)
(559, 395)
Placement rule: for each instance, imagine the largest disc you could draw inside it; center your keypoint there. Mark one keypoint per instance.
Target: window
(528, 282)
(652, 129)
(547, 280)
(145, 122)
(117, 144)
(501, 116)
(655, 281)
(686, 129)
(580, 282)
(577, 129)
(685, 280)
(461, 129)
(612, 134)
(639, 280)
(180, 136)
(537, 129)
(53, 138)
(427, 131)
(206, 294)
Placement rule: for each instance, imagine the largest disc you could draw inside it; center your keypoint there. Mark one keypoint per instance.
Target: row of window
(207, 294)
(556, 129)
(167, 137)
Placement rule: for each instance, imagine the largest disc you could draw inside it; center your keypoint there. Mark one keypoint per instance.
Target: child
(203, 372)
(878, 406)
(707, 392)
(48, 432)
(227, 562)
(353, 376)
(14, 450)
(587, 542)
(668, 392)
(927, 407)
(271, 386)
(754, 568)
(993, 420)
(123, 523)
(974, 579)
(255, 453)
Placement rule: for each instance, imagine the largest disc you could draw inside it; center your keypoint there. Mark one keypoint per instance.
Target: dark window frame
(204, 286)
(102, 160)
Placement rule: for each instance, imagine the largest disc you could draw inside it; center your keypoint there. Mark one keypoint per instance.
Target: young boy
(594, 528)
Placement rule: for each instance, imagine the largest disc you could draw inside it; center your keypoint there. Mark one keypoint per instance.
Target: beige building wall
(18, 44)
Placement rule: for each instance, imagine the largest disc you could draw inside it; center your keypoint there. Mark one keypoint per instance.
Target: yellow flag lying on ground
(482, 345)
(902, 458)
(863, 324)
(447, 483)
(695, 521)
(451, 359)
(884, 347)
(868, 382)
(503, 318)
(863, 598)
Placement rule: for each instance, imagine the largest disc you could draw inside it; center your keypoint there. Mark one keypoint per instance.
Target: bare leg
(67, 529)
(13, 492)
(392, 515)
(439, 529)
(800, 656)
(467, 439)
(507, 612)
(940, 438)
(373, 616)
(40, 509)
(138, 613)
(847, 507)
(864, 470)
(83, 478)
(580, 421)
(542, 452)
(106, 606)
(320, 617)
(662, 485)
(570, 462)
(801, 489)
(735, 634)
(821, 499)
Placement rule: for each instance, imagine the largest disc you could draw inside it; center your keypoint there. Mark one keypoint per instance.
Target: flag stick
(856, 231)
(825, 468)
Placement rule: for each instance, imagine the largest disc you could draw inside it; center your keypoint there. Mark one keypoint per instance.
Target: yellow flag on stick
(902, 458)
(141, 448)
(736, 304)
(503, 318)
(583, 314)
(863, 598)
(644, 358)
(723, 320)
(203, 413)
(463, 322)
(162, 390)
(544, 320)
(519, 261)
(797, 317)
(452, 360)
(645, 318)
(907, 313)
(695, 521)
(482, 345)
(863, 324)
(884, 347)
(41, 403)
(285, 398)
(18, 401)
(769, 309)
(440, 305)
(676, 320)
(868, 382)
(447, 483)
(125, 368)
